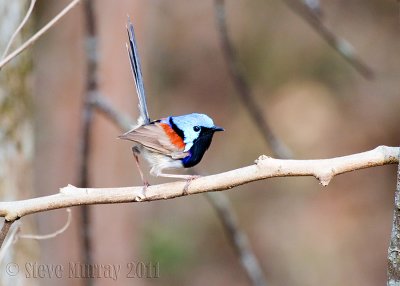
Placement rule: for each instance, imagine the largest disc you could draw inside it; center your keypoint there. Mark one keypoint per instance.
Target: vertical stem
(4, 231)
(238, 238)
(87, 118)
(393, 272)
(221, 204)
(243, 87)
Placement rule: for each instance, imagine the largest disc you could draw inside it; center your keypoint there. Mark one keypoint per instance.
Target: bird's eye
(196, 128)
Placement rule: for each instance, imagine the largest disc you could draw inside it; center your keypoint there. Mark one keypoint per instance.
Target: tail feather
(137, 74)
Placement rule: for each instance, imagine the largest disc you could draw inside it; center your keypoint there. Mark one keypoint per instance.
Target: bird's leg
(188, 178)
(136, 153)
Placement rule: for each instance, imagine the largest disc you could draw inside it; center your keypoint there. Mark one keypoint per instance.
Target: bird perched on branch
(169, 143)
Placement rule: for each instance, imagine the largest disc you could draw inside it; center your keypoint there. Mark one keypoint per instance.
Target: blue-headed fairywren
(171, 142)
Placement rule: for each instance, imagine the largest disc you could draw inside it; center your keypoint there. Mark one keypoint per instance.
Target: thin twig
(14, 35)
(238, 238)
(264, 167)
(393, 271)
(50, 235)
(104, 106)
(243, 88)
(340, 45)
(40, 33)
(13, 235)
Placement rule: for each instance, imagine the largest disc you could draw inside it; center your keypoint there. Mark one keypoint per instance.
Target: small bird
(172, 142)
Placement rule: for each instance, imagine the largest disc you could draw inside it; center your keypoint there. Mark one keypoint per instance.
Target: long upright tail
(144, 117)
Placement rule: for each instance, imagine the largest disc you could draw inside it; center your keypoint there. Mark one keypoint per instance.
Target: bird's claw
(188, 181)
(145, 186)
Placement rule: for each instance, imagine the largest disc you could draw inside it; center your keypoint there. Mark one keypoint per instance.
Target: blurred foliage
(15, 86)
(15, 99)
(167, 246)
(269, 62)
(16, 135)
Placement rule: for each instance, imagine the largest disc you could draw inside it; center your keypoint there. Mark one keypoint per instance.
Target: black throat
(200, 146)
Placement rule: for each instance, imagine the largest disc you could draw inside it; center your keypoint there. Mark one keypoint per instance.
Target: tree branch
(340, 45)
(92, 58)
(21, 25)
(40, 33)
(265, 167)
(4, 230)
(9, 234)
(237, 237)
(243, 87)
(393, 271)
(102, 104)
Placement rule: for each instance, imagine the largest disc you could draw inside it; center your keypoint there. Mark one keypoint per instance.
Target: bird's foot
(145, 186)
(188, 181)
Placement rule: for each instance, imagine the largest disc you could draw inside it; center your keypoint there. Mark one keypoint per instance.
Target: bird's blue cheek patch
(187, 161)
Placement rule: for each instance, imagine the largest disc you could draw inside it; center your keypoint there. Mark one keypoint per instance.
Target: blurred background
(315, 102)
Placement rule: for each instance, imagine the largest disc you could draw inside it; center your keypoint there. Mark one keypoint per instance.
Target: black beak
(217, 128)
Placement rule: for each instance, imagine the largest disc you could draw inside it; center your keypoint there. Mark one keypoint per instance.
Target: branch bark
(393, 272)
(264, 167)
(4, 231)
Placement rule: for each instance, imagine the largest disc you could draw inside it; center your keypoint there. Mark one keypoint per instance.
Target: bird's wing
(158, 137)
